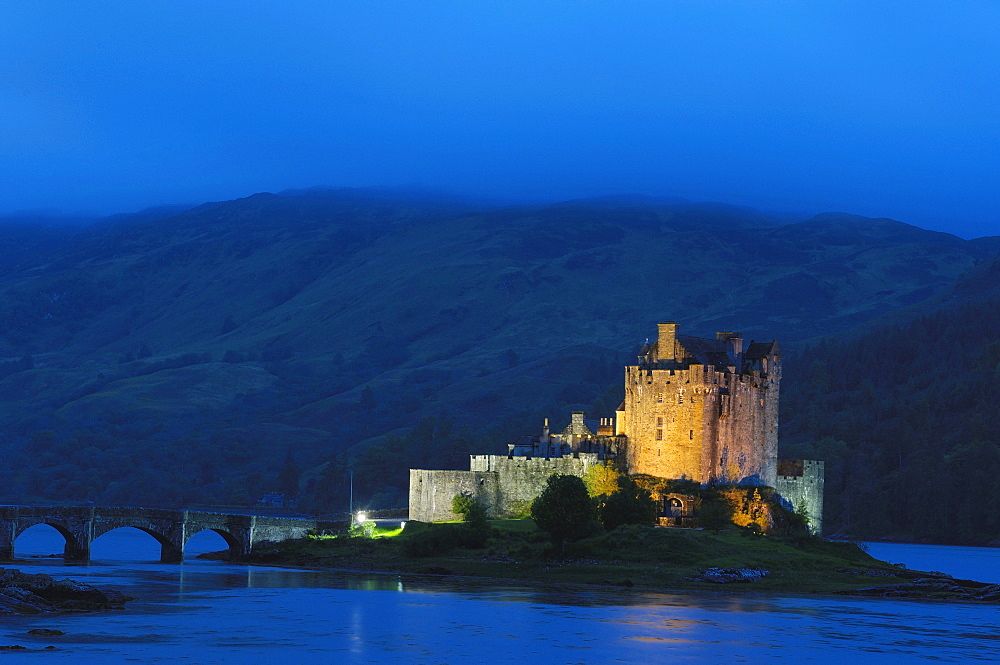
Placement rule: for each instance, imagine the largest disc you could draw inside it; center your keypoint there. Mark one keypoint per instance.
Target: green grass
(648, 557)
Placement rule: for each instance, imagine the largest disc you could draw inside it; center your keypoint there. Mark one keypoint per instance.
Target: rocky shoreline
(933, 586)
(22, 593)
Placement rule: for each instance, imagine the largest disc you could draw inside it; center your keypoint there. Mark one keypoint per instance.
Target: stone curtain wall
(504, 486)
(523, 478)
(432, 491)
(803, 489)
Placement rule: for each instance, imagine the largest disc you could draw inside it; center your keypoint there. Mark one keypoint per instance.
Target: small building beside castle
(507, 484)
(697, 409)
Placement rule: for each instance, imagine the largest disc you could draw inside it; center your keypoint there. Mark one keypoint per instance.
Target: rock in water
(21, 593)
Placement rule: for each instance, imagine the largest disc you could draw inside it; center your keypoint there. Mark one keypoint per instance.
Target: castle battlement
(703, 409)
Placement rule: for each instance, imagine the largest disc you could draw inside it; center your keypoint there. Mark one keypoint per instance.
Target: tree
(601, 480)
(477, 528)
(332, 488)
(629, 504)
(470, 509)
(563, 508)
(288, 477)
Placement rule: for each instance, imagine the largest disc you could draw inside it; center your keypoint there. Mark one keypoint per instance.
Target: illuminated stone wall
(800, 483)
(700, 422)
(521, 479)
(431, 492)
(505, 486)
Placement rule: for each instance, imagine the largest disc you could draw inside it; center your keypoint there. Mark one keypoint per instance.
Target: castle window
(691, 434)
(659, 435)
(659, 422)
(659, 397)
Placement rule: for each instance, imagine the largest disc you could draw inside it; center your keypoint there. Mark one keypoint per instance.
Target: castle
(696, 409)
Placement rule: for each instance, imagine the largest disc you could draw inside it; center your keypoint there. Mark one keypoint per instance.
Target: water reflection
(214, 612)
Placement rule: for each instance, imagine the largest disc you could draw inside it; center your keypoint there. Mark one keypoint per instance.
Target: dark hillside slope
(905, 416)
(239, 338)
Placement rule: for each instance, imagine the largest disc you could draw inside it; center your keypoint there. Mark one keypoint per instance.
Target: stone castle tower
(702, 409)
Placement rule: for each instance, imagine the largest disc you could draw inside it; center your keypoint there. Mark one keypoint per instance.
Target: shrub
(362, 530)
(564, 509)
(435, 540)
(629, 504)
(476, 529)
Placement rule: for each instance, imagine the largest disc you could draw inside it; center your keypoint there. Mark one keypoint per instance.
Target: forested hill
(905, 414)
(215, 353)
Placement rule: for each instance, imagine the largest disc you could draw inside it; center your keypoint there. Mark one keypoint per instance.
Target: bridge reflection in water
(80, 525)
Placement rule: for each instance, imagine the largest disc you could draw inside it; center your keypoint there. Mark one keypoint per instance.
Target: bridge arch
(169, 550)
(233, 541)
(76, 544)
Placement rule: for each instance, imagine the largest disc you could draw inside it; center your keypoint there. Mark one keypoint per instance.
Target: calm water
(211, 612)
(971, 563)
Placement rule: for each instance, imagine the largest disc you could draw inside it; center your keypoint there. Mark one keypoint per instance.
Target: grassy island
(645, 557)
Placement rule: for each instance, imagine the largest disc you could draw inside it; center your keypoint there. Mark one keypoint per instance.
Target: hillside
(214, 353)
(903, 412)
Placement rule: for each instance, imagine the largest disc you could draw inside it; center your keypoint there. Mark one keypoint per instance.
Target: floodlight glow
(362, 518)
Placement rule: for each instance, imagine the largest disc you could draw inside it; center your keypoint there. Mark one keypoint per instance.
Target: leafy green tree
(601, 480)
(474, 515)
(470, 509)
(564, 508)
(629, 504)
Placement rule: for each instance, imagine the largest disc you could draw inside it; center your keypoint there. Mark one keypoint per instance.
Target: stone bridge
(80, 525)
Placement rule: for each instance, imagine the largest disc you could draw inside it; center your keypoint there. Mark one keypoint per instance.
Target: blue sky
(877, 108)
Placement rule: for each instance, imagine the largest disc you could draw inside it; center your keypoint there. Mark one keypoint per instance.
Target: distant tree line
(905, 418)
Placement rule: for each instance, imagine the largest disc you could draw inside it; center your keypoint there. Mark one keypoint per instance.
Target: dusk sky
(872, 107)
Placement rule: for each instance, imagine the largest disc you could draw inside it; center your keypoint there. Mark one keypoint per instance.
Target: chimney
(734, 346)
(666, 340)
